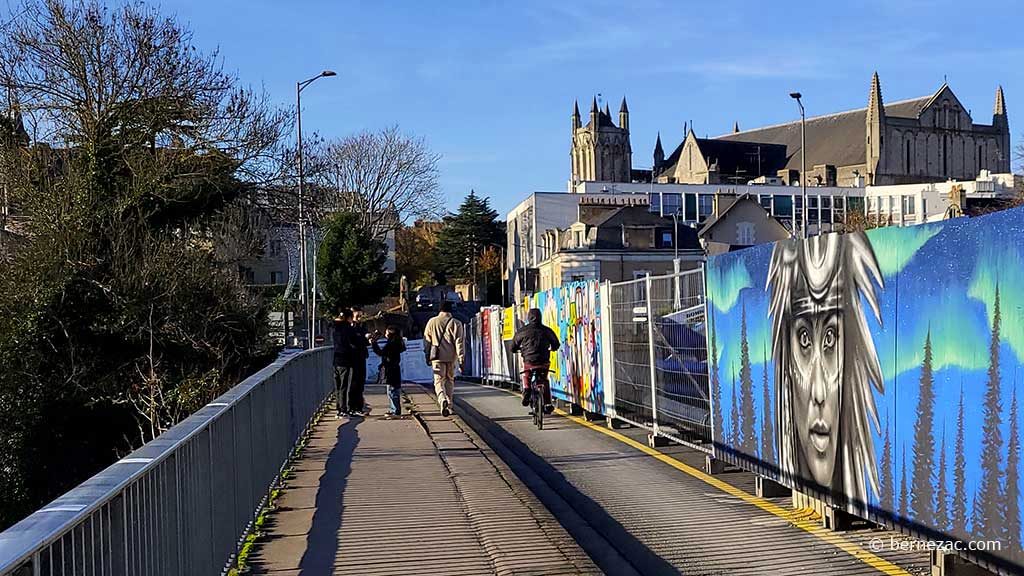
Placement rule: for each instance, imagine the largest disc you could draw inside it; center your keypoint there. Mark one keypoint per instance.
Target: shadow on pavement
(641, 559)
(322, 541)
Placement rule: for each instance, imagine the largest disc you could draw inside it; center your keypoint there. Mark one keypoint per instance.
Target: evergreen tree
(466, 234)
(941, 515)
(716, 384)
(747, 440)
(351, 265)
(1011, 537)
(734, 417)
(922, 492)
(959, 475)
(887, 487)
(767, 424)
(987, 515)
(904, 505)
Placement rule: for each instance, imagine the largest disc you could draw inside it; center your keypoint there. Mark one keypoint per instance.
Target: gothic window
(745, 234)
(979, 158)
(945, 156)
(906, 164)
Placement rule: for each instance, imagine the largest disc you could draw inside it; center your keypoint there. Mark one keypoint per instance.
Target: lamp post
(307, 318)
(803, 163)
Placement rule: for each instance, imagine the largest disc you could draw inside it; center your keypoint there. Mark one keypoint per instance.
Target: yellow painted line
(799, 518)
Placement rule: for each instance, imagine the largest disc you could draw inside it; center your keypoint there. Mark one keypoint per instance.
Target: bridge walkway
(658, 510)
(415, 495)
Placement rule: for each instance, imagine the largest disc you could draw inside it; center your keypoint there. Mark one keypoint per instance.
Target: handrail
(147, 513)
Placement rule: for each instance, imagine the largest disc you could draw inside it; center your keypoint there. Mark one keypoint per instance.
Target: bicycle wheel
(538, 409)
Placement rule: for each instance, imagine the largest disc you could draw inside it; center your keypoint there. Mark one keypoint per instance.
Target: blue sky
(490, 85)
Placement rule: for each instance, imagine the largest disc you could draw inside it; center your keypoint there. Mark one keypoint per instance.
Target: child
(391, 365)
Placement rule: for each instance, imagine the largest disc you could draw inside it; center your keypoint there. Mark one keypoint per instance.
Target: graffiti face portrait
(816, 367)
(825, 361)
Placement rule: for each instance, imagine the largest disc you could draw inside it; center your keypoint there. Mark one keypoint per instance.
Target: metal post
(650, 345)
(302, 227)
(803, 166)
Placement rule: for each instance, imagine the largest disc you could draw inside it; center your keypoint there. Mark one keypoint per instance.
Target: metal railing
(182, 503)
(660, 356)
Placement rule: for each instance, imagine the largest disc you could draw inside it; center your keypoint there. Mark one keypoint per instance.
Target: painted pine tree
(716, 385)
(887, 485)
(747, 440)
(959, 475)
(904, 505)
(922, 492)
(1011, 536)
(988, 513)
(734, 416)
(941, 515)
(767, 423)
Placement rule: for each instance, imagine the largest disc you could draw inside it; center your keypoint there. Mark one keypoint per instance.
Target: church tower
(1001, 122)
(601, 150)
(875, 131)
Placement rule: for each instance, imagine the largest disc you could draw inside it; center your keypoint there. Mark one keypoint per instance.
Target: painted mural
(573, 312)
(880, 370)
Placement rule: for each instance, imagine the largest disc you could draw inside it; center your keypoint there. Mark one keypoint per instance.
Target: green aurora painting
(891, 374)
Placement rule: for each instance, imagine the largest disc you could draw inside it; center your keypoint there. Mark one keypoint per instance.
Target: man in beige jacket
(446, 338)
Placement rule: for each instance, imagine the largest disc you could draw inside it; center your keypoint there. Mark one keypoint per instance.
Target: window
(980, 156)
(577, 278)
(640, 287)
(872, 204)
(666, 239)
(275, 247)
(705, 205)
(247, 275)
(690, 212)
(783, 206)
(766, 202)
(277, 277)
(745, 234)
(579, 239)
(908, 205)
(812, 209)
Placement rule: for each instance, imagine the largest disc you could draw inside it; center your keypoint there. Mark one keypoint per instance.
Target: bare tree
(384, 177)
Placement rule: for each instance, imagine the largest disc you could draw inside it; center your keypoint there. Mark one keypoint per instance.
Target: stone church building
(601, 150)
(926, 139)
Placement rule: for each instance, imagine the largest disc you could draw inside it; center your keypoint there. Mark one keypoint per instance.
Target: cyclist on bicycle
(536, 342)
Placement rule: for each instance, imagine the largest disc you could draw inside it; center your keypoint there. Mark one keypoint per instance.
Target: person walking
(391, 367)
(444, 340)
(349, 354)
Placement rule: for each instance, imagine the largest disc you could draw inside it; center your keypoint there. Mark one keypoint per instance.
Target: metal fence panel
(632, 363)
(181, 503)
(679, 343)
(659, 365)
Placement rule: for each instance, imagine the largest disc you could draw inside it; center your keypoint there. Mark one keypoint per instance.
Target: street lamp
(307, 318)
(803, 162)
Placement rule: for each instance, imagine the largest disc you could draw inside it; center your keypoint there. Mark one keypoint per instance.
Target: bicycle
(537, 395)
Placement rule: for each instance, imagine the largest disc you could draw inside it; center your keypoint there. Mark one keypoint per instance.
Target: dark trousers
(542, 379)
(355, 392)
(342, 387)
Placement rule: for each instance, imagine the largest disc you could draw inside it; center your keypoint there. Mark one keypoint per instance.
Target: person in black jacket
(356, 397)
(349, 355)
(391, 367)
(536, 342)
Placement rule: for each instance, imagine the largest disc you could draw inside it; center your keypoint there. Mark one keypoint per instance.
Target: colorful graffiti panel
(881, 371)
(574, 312)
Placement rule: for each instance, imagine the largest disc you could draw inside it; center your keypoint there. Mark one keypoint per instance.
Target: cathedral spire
(575, 115)
(1000, 108)
(594, 112)
(875, 129)
(607, 111)
(624, 115)
(736, 127)
(876, 110)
